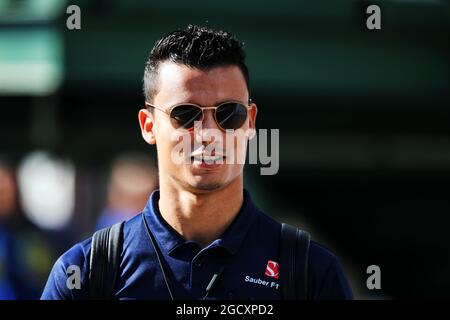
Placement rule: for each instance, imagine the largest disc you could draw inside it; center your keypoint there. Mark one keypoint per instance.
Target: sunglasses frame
(169, 111)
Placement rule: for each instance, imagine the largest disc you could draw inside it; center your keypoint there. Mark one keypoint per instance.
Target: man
(201, 221)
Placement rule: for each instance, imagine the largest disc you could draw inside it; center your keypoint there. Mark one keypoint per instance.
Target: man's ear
(146, 122)
(252, 112)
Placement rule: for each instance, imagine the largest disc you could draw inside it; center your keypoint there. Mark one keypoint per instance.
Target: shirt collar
(170, 240)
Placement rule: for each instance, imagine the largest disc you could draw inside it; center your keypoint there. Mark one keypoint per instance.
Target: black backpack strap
(294, 254)
(106, 248)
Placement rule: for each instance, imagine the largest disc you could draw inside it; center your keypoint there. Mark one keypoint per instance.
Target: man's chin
(207, 186)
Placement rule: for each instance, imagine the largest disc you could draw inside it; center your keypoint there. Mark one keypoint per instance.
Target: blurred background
(363, 116)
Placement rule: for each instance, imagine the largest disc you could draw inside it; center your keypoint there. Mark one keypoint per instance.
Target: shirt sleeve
(68, 278)
(327, 279)
(335, 284)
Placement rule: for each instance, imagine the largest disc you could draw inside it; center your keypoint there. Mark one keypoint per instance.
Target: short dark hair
(198, 47)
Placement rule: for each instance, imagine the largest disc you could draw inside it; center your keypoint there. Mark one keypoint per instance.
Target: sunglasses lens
(231, 115)
(184, 116)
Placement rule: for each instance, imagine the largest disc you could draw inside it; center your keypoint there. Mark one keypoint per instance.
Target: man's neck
(200, 217)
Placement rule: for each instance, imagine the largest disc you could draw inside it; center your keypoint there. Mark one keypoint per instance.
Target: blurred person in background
(133, 177)
(9, 206)
(25, 253)
(8, 193)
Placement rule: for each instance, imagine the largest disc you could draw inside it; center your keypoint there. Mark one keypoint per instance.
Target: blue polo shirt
(247, 251)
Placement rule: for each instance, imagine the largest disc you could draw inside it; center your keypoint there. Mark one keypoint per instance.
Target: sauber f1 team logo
(272, 269)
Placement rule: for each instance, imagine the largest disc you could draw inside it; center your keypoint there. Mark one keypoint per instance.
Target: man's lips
(208, 161)
(201, 152)
(207, 158)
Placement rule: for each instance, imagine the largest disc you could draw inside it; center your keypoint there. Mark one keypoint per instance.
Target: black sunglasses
(228, 114)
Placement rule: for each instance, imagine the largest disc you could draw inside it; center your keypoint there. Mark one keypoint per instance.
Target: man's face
(182, 84)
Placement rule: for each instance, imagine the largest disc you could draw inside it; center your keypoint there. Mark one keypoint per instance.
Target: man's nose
(208, 120)
(210, 132)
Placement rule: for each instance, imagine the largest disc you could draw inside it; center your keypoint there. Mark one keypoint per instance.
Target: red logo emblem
(272, 269)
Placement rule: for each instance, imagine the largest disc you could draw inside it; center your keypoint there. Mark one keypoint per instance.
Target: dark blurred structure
(363, 115)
